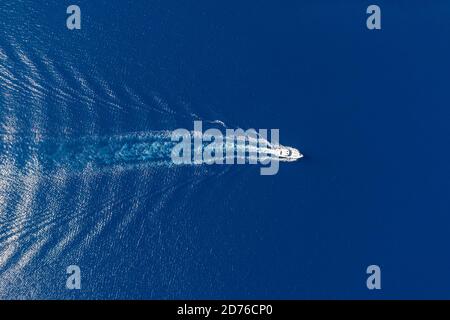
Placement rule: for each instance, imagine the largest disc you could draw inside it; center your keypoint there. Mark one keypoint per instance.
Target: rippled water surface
(85, 178)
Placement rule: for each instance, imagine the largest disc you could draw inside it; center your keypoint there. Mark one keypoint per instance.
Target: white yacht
(286, 153)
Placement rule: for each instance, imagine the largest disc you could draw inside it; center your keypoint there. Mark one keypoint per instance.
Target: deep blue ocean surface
(369, 109)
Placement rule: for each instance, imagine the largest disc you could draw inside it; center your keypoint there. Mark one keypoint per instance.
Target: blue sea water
(369, 109)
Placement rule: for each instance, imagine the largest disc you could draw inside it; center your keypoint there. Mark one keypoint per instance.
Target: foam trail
(151, 148)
